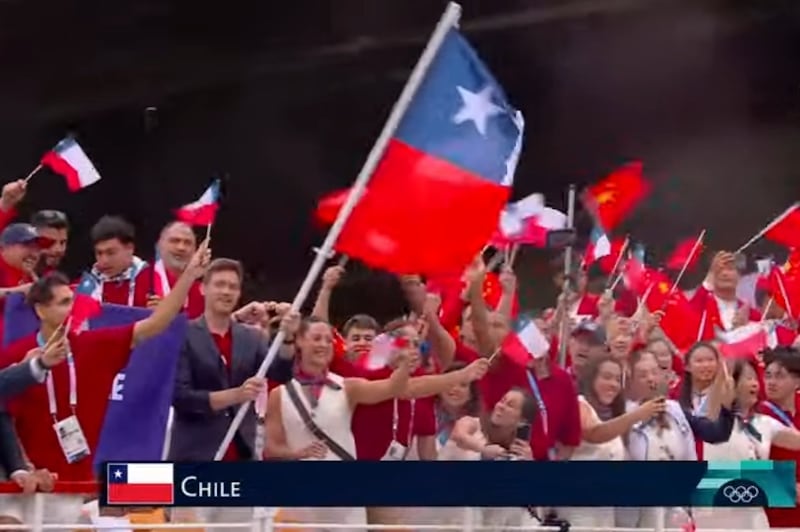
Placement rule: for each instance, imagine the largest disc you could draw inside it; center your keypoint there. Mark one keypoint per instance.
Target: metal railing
(266, 519)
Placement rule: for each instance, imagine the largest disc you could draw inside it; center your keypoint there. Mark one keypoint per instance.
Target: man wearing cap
(54, 226)
(587, 342)
(20, 246)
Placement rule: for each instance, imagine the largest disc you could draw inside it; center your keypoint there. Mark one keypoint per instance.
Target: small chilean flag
(69, 160)
(204, 210)
(525, 343)
(130, 484)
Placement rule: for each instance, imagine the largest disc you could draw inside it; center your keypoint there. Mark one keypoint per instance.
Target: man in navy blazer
(216, 372)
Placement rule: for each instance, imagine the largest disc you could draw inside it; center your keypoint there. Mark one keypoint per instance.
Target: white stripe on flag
(77, 159)
(150, 474)
(740, 333)
(533, 340)
(602, 248)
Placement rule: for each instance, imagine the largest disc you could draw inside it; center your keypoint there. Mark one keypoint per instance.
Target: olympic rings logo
(741, 494)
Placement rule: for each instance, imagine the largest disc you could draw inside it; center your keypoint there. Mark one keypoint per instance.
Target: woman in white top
(493, 437)
(701, 364)
(460, 400)
(604, 427)
(752, 437)
(326, 400)
(667, 436)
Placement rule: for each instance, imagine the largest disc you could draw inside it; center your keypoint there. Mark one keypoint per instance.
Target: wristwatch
(41, 365)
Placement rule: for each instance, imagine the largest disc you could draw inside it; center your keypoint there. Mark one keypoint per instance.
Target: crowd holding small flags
(434, 206)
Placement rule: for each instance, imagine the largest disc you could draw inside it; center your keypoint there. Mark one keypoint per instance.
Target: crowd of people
(433, 384)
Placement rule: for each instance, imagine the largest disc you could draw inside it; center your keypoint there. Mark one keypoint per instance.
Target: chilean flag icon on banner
(434, 200)
(132, 484)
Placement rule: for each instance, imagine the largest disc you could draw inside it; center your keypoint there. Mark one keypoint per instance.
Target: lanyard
(537, 395)
(785, 419)
(51, 387)
(396, 420)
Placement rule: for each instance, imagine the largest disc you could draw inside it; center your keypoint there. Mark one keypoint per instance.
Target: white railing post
(264, 519)
(661, 517)
(37, 519)
(469, 519)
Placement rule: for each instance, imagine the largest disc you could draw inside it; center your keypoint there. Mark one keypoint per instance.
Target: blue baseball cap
(21, 233)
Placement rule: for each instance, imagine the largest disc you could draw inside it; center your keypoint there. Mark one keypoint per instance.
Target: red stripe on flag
(422, 215)
(140, 493)
(58, 165)
(200, 216)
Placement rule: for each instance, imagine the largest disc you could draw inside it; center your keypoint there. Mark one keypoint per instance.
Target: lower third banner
(480, 483)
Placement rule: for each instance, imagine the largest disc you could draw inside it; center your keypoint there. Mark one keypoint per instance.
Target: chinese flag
(681, 321)
(788, 283)
(785, 230)
(614, 198)
(685, 253)
(659, 294)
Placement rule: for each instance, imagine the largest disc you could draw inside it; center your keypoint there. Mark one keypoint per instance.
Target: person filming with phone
(502, 434)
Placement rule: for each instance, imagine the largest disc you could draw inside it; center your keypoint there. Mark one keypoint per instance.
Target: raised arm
(172, 305)
(596, 431)
(330, 279)
(443, 346)
(428, 385)
(364, 392)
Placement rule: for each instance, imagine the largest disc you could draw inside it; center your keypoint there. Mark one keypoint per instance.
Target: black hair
(589, 376)
(41, 291)
(112, 227)
(788, 357)
(685, 394)
(50, 219)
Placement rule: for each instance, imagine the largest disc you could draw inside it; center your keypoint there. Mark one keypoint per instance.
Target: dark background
(287, 97)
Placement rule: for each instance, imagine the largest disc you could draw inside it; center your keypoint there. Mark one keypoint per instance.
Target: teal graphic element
(747, 483)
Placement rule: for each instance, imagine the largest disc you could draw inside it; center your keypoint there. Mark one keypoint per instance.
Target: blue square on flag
(133, 484)
(435, 198)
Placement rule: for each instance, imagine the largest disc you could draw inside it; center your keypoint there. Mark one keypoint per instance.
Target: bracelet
(41, 365)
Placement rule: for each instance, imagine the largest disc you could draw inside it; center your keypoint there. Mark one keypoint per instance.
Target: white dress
(740, 446)
(600, 518)
(333, 416)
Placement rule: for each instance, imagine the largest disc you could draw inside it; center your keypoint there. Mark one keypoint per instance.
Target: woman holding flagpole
(309, 418)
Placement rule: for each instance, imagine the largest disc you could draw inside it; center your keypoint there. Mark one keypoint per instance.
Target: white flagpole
(448, 21)
(772, 224)
(697, 244)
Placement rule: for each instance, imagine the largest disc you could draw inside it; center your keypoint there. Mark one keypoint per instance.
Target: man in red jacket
(175, 246)
(716, 298)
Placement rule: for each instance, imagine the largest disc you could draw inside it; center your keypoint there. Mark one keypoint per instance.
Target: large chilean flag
(435, 198)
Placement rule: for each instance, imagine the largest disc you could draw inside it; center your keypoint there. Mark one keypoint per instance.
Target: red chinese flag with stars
(615, 197)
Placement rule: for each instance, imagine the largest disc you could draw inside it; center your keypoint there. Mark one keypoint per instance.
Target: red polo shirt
(99, 356)
(224, 343)
(558, 394)
(195, 302)
(784, 517)
(118, 292)
(372, 424)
